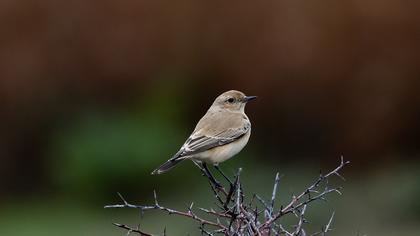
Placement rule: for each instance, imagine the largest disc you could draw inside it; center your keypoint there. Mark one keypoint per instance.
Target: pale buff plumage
(219, 135)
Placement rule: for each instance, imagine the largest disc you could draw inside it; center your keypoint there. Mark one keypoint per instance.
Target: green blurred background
(95, 94)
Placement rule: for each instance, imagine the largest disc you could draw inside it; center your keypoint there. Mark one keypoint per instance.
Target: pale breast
(223, 153)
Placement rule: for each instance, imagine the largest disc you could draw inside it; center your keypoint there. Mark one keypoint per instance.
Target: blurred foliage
(106, 147)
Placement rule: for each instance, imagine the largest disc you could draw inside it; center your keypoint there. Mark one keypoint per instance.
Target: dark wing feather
(201, 143)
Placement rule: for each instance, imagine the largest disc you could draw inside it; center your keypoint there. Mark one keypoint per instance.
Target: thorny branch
(235, 217)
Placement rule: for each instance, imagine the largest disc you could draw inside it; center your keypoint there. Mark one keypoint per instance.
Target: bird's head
(232, 100)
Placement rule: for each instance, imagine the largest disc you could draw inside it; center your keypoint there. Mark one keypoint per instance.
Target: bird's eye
(231, 100)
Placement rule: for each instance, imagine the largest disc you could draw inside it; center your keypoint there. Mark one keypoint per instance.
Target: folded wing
(198, 142)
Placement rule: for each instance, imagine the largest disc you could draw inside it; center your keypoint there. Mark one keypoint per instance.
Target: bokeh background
(95, 94)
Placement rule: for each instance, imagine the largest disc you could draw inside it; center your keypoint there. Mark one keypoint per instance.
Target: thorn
(141, 213)
(125, 202)
(340, 176)
(154, 195)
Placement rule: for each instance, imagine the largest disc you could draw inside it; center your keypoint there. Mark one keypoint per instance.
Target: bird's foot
(218, 185)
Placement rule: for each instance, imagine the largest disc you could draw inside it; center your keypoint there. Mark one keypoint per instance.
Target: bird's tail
(167, 166)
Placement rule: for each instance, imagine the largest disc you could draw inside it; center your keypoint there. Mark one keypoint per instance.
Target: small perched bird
(219, 135)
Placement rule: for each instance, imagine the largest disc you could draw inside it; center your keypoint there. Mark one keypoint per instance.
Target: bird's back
(215, 122)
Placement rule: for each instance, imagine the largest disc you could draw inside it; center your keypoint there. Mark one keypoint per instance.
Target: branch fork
(234, 217)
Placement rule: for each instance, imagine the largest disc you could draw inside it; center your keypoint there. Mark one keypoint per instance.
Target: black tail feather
(167, 166)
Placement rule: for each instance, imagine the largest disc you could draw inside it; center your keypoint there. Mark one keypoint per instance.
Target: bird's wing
(203, 143)
(208, 135)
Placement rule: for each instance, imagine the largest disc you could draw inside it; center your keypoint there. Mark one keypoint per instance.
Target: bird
(219, 135)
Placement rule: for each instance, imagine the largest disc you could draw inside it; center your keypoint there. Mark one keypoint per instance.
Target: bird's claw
(218, 185)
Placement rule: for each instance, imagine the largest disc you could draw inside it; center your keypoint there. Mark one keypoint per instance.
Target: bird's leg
(200, 166)
(204, 173)
(203, 168)
(216, 166)
(211, 177)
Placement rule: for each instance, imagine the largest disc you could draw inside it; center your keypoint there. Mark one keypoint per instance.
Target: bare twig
(328, 226)
(157, 206)
(132, 230)
(294, 203)
(301, 221)
(233, 217)
(273, 195)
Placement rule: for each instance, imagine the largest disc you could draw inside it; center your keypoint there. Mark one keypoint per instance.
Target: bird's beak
(249, 98)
